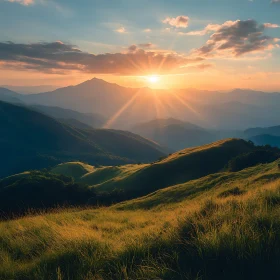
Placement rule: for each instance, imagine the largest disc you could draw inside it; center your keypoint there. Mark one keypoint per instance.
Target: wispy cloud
(22, 2)
(271, 25)
(208, 29)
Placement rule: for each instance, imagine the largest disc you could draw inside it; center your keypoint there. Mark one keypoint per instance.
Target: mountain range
(30, 139)
(125, 107)
(175, 119)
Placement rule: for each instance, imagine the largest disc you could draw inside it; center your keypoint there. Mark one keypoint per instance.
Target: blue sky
(93, 26)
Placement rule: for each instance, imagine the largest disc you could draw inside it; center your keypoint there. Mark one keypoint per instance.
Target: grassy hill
(222, 226)
(31, 140)
(185, 165)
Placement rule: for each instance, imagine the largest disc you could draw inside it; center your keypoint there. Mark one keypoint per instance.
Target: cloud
(236, 38)
(121, 30)
(146, 45)
(214, 27)
(147, 30)
(209, 28)
(134, 48)
(60, 58)
(275, 1)
(179, 21)
(271, 25)
(22, 2)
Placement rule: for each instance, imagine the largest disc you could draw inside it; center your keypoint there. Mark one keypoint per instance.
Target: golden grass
(149, 242)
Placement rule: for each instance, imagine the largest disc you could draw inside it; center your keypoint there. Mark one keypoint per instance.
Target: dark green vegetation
(40, 190)
(31, 140)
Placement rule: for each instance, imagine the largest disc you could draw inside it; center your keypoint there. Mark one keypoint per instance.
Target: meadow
(222, 226)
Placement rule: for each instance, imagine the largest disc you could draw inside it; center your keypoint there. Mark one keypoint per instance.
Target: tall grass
(230, 237)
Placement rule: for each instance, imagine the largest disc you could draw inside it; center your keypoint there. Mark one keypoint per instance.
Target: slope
(32, 140)
(218, 185)
(7, 95)
(91, 119)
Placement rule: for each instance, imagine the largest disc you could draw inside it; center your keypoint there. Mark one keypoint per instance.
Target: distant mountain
(90, 119)
(160, 123)
(174, 133)
(30, 89)
(273, 130)
(266, 139)
(75, 123)
(7, 95)
(32, 140)
(91, 96)
(125, 107)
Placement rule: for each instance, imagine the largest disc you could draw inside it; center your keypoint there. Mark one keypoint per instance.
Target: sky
(204, 44)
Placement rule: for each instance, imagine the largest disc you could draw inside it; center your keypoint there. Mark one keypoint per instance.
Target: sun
(153, 79)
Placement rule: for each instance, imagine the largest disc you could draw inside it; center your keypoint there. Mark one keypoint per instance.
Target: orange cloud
(57, 57)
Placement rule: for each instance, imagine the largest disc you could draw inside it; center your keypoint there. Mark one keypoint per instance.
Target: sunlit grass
(205, 236)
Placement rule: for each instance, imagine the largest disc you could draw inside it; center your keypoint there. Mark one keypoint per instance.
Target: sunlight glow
(153, 79)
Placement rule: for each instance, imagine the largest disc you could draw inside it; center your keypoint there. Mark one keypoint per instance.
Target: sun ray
(183, 102)
(113, 119)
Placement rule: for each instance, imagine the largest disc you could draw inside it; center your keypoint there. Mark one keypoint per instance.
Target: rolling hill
(180, 167)
(31, 140)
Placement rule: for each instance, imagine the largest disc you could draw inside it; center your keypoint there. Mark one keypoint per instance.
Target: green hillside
(31, 140)
(180, 167)
(216, 185)
(222, 226)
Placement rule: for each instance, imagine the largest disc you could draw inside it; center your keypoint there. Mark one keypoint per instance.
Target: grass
(203, 235)
(73, 169)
